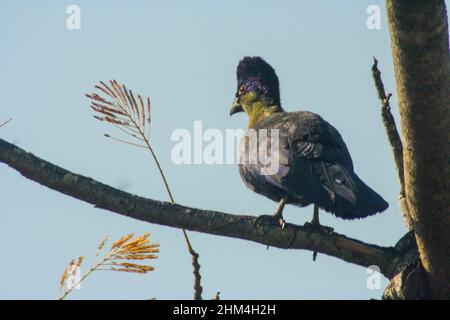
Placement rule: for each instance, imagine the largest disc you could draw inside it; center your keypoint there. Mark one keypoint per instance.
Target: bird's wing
(306, 144)
(318, 148)
(314, 138)
(318, 159)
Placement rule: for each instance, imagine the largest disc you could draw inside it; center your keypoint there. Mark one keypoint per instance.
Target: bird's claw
(272, 220)
(281, 222)
(318, 227)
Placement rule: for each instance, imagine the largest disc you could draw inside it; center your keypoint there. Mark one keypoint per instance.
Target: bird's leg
(278, 215)
(315, 219)
(315, 224)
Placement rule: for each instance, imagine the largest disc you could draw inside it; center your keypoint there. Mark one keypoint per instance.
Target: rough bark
(389, 259)
(420, 49)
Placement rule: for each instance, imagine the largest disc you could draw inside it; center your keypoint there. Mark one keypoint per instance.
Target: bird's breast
(264, 161)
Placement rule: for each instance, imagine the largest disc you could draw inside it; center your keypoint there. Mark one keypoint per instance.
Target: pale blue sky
(183, 54)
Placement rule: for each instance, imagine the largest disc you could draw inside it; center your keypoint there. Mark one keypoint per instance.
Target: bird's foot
(271, 220)
(318, 227)
(281, 221)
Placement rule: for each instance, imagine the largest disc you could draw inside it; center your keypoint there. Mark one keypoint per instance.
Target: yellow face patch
(256, 107)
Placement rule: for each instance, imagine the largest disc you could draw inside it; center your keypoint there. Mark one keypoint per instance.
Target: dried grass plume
(126, 254)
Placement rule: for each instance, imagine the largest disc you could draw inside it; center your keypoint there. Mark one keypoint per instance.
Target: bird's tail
(352, 197)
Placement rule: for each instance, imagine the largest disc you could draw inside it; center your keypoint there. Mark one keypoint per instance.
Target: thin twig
(197, 277)
(124, 141)
(393, 137)
(197, 282)
(1, 125)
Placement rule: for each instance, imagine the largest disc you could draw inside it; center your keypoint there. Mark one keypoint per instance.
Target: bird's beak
(236, 107)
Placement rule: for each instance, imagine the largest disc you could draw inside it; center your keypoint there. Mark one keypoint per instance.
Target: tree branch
(394, 138)
(197, 277)
(420, 50)
(206, 221)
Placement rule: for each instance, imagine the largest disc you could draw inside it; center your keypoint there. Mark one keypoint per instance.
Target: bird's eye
(241, 89)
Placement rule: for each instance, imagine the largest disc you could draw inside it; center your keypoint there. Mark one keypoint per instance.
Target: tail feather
(351, 197)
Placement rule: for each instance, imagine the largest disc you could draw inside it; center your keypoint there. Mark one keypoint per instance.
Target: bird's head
(258, 92)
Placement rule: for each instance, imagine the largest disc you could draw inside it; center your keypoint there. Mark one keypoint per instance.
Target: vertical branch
(197, 286)
(420, 52)
(393, 137)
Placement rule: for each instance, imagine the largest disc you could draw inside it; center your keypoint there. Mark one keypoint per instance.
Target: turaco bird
(314, 164)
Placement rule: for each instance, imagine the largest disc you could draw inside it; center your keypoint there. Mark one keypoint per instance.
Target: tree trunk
(420, 49)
